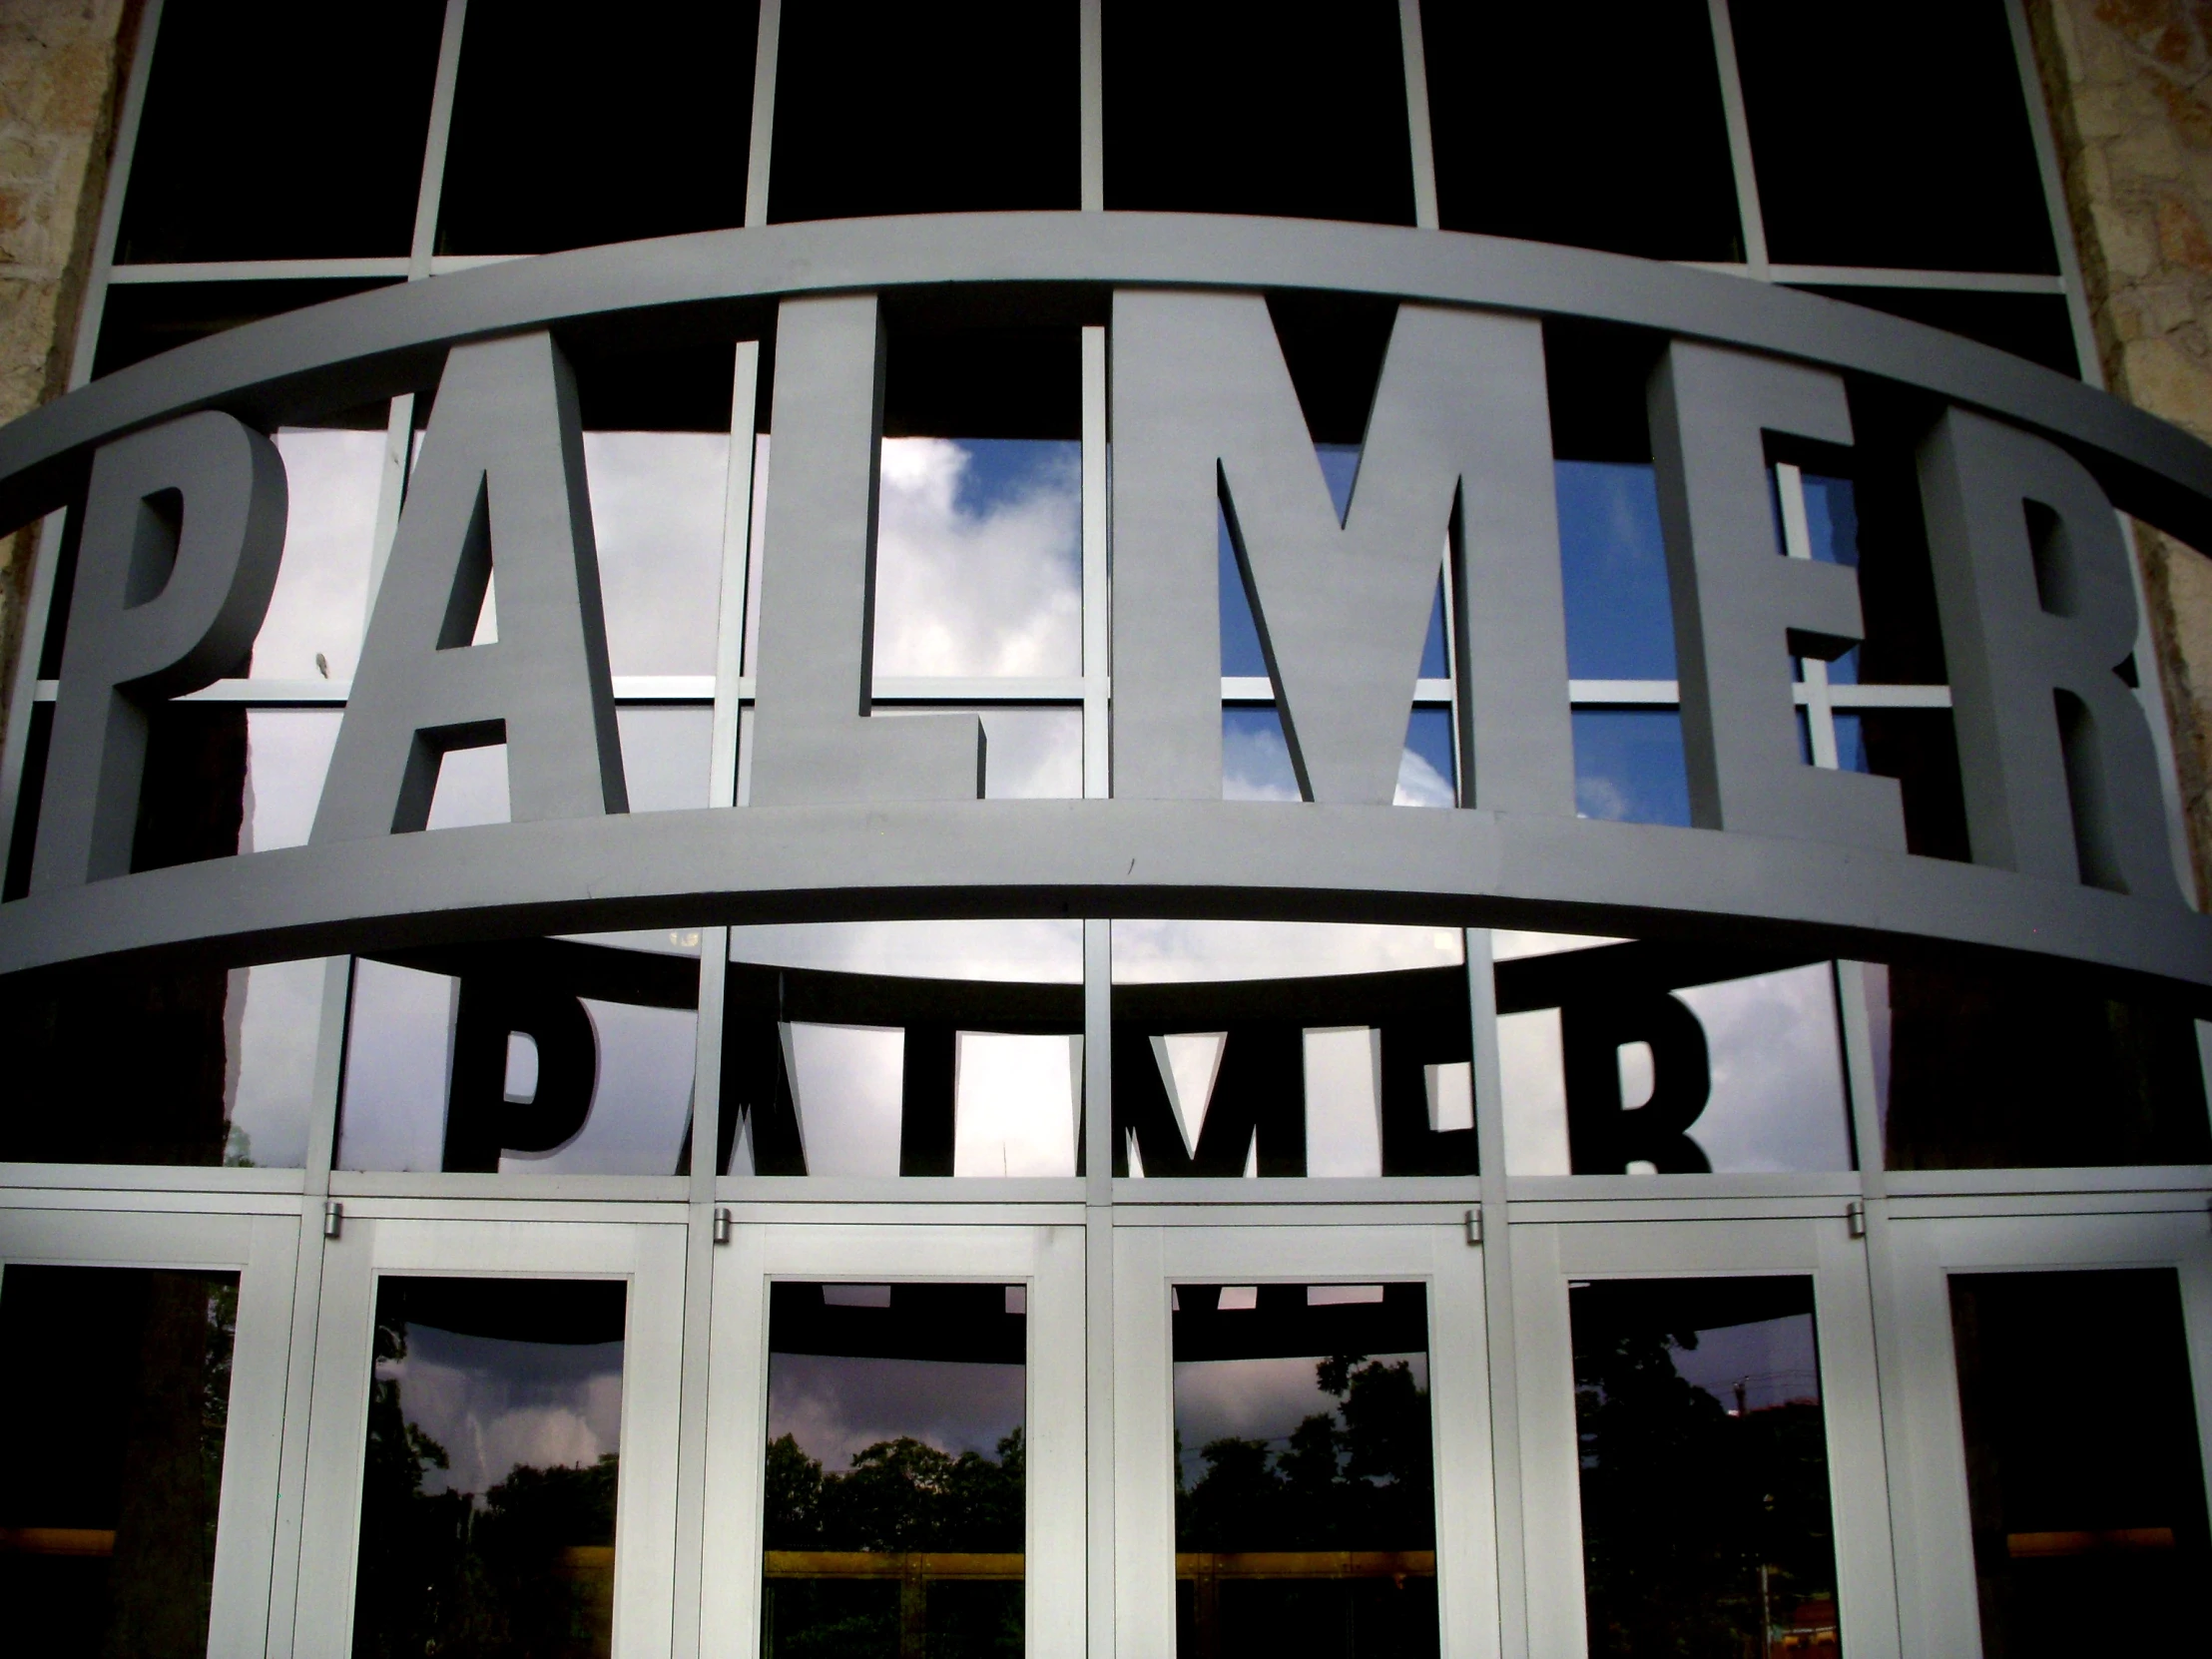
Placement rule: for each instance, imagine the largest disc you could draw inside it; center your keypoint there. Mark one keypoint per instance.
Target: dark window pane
(1892, 133)
(138, 323)
(904, 1048)
(108, 1508)
(1291, 1048)
(2038, 1068)
(464, 1529)
(569, 132)
(894, 1428)
(1239, 107)
(1302, 1427)
(1597, 124)
(1920, 749)
(1629, 766)
(2031, 326)
(2083, 1469)
(276, 131)
(552, 1056)
(925, 109)
(195, 1067)
(1704, 1465)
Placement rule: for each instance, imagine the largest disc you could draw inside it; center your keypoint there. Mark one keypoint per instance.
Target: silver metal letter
(500, 485)
(1742, 609)
(1206, 421)
(815, 742)
(184, 527)
(2038, 613)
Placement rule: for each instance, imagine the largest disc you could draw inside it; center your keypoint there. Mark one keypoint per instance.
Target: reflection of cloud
(1778, 1076)
(850, 1081)
(320, 603)
(1599, 797)
(1014, 1104)
(1255, 759)
(1419, 784)
(1166, 953)
(1510, 944)
(835, 1406)
(280, 1010)
(641, 1105)
(666, 757)
(1533, 1088)
(495, 1404)
(1037, 952)
(287, 756)
(656, 512)
(471, 788)
(1028, 753)
(1253, 1400)
(979, 567)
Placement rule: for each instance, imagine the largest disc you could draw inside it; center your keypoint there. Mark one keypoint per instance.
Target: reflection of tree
(897, 1496)
(1357, 1478)
(441, 1575)
(1694, 1522)
(900, 1494)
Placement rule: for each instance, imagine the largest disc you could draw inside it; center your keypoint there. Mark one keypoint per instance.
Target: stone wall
(62, 64)
(2129, 86)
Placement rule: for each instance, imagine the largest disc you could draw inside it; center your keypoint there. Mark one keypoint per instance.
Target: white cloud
(962, 591)
(320, 603)
(1419, 784)
(835, 1406)
(657, 511)
(1041, 951)
(495, 1405)
(1168, 952)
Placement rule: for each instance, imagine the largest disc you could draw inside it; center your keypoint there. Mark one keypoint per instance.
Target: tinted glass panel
(1892, 133)
(1596, 125)
(2031, 326)
(924, 109)
(1629, 766)
(137, 323)
(657, 511)
(669, 95)
(1244, 108)
(553, 1056)
(1305, 1501)
(488, 1490)
(195, 1066)
(904, 1048)
(1704, 1468)
(276, 131)
(2083, 1468)
(108, 1510)
(1289, 1048)
(895, 1512)
(1632, 1057)
(1984, 1067)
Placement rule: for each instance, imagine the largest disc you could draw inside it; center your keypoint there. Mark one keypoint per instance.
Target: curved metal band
(1087, 857)
(376, 345)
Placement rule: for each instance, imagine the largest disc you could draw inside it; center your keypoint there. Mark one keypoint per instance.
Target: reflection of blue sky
(978, 561)
(1832, 519)
(1614, 565)
(1629, 766)
(833, 1406)
(1256, 758)
(494, 1403)
(1254, 1400)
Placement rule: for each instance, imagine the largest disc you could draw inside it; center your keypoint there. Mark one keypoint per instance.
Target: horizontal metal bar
(452, 265)
(1889, 696)
(257, 270)
(967, 688)
(273, 693)
(1600, 693)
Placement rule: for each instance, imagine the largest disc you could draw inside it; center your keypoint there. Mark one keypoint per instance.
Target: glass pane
(1246, 109)
(664, 93)
(1426, 772)
(554, 1057)
(2036, 327)
(1304, 1500)
(1635, 1057)
(1028, 753)
(1291, 1048)
(1607, 132)
(904, 1048)
(108, 1504)
(221, 778)
(1704, 1468)
(979, 557)
(139, 321)
(195, 1067)
(330, 105)
(1979, 1067)
(894, 1514)
(656, 512)
(488, 1492)
(667, 757)
(320, 605)
(2083, 1468)
(1613, 561)
(1629, 766)
(1255, 756)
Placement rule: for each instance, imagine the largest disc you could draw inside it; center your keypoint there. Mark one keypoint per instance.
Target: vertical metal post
(433, 188)
(1498, 1299)
(1097, 752)
(1739, 141)
(1091, 66)
(1417, 133)
(762, 141)
(1098, 1279)
(1797, 543)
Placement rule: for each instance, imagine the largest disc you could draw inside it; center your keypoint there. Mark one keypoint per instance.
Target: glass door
(145, 1374)
(493, 1451)
(1301, 1453)
(895, 1442)
(1702, 1458)
(2057, 1371)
